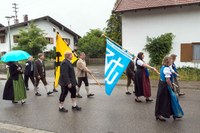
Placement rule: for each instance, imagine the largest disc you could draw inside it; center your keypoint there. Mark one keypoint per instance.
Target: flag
(116, 62)
(61, 47)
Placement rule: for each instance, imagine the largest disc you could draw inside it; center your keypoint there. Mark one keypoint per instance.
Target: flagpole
(116, 43)
(71, 49)
(129, 52)
(96, 80)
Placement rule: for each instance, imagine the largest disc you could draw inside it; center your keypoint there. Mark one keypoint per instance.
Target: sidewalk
(154, 83)
(99, 74)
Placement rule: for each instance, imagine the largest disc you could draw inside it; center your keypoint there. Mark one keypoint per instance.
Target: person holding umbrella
(14, 88)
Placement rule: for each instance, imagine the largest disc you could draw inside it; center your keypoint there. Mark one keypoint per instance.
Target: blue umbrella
(15, 55)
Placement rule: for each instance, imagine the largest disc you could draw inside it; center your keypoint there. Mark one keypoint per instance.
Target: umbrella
(15, 55)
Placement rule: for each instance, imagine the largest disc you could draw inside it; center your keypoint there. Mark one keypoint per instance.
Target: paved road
(102, 114)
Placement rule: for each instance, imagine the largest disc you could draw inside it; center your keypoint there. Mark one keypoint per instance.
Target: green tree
(159, 47)
(114, 28)
(31, 40)
(51, 54)
(92, 44)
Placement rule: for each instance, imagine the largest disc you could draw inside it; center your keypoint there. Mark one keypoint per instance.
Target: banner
(116, 62)
(61, 48)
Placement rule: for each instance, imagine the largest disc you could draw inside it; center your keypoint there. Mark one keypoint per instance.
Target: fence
(95, 61)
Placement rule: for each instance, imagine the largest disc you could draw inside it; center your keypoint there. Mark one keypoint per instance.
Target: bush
(186, 74)
(189, 73)
(159, 47)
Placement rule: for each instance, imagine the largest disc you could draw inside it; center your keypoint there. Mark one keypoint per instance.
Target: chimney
(25, 18)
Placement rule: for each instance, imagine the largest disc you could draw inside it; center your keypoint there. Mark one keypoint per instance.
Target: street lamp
(8, 18)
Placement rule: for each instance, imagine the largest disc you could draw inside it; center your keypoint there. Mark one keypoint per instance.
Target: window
(196, 51)
(15, 38)
(2, 39)
(50, 40)
(67, 40)
(54, 29)
(190, 52)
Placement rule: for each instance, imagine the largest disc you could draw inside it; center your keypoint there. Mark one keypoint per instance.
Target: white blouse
(140, 62)
(172, 70)
(167, 72)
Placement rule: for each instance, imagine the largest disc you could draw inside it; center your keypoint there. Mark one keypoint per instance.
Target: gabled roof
(1, 25)
(46, 18)
(128, 5)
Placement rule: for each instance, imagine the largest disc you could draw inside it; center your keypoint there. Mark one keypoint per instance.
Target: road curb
(182, 87)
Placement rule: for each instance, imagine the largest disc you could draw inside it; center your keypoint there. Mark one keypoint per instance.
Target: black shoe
(138, 100)
(63, 109)
(37, 94)
(54, 90)
(77, 108)
(79, 96)
(174, 117)
(160, 118)
(23, 102)
(49, 93)
(90, 95)
(128, 93)
(181, 94)
(14, 101)
(149, 100)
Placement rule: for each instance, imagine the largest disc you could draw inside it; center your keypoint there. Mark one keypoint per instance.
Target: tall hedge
(159, 47)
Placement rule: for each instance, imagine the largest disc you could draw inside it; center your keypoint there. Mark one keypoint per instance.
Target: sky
(78, 15)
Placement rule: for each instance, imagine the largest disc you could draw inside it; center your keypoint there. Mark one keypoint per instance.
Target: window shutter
(186, 52)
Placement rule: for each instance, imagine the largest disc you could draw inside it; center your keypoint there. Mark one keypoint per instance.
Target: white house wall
(183, 22)
(48, 30)
(4, 47)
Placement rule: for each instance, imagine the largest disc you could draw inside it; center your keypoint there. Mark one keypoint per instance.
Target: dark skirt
(8, 93)
(142, 84)
(163, 101)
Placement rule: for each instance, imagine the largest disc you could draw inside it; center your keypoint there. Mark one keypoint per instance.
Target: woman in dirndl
(14, 89)
(166, 103)
(142, 83)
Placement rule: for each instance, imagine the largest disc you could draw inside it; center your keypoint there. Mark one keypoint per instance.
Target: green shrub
(159, 47)
(186, 74)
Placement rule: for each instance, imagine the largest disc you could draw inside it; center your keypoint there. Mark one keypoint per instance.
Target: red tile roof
(127, 5)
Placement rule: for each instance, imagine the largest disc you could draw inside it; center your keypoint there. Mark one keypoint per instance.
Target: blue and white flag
(116, 62)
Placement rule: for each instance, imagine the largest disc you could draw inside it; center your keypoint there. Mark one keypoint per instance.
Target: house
(47, 24)
(142, 18)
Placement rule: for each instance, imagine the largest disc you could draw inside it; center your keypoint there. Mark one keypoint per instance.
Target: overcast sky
(79, 15)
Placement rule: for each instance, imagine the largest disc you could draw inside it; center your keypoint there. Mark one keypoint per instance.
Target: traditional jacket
(81, 68)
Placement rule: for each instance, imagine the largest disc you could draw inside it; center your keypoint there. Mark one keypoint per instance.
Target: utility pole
(15, 11)
(8, 18)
